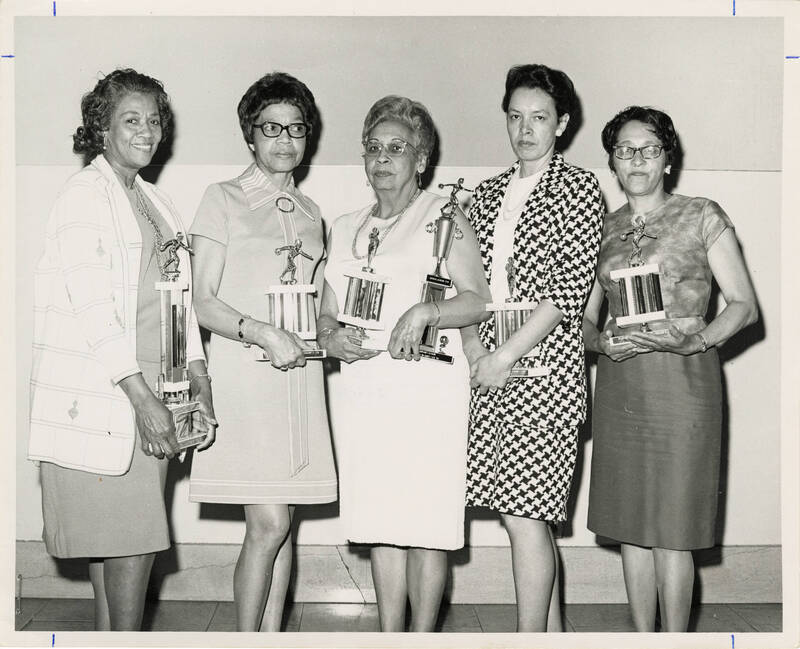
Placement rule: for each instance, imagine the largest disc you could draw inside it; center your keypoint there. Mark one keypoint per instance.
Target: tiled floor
(77, 615)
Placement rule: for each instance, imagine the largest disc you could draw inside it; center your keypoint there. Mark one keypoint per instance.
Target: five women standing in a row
(412, 449)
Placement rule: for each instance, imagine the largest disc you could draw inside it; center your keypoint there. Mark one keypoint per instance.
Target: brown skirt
(656, 429)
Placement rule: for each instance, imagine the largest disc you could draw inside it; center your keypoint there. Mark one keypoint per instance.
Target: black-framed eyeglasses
(394, 148)
(648, 152)
(273, 129)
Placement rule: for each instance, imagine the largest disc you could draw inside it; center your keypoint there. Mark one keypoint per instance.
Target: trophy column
(173, 380)
(364, 298)
(290, 306)
(639, 286)
(436, 283)
(509, 316)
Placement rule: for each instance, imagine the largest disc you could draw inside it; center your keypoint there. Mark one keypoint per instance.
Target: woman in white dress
(402, 439)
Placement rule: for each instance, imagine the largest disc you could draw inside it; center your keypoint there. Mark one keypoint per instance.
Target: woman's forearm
(461, 310)
(471, 343)
(543, 320)
(223, 320)
(199, 380)
(591, 336)
(136, 389)
(733, 318)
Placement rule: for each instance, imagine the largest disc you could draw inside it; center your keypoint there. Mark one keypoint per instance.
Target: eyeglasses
(273, 129)
(648, 152)
(394, 149)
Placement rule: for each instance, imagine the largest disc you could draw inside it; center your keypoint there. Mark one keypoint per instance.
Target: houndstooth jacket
(556, 242)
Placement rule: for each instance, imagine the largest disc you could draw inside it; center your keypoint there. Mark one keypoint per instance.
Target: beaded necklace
(382, 237)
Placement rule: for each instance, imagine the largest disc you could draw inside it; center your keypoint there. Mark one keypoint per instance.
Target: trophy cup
(173, 380)
(436, 283)
(364, 297)
(639, 286)
(290, 305)
(509, 316)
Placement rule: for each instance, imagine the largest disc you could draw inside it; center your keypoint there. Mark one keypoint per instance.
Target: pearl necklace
(382, 237)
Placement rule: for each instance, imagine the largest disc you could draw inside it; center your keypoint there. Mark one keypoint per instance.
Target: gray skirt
(656, 430)
(92, 515)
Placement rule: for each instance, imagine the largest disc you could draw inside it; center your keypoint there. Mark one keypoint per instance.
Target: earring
(668, 169)
(252, 147)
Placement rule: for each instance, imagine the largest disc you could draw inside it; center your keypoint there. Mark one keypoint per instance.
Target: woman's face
(533, 125)
(388, 171)
(640, 176)
(133, 134)
(278, 155)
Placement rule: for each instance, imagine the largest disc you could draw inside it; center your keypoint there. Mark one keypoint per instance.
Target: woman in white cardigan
(100, 433)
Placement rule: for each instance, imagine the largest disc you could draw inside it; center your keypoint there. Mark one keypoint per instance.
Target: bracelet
(241, 333)
(703, 343)
(438, 314)
(325, 331)
(200, 376)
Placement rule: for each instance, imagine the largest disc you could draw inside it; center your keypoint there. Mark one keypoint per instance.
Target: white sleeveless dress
(401, 440)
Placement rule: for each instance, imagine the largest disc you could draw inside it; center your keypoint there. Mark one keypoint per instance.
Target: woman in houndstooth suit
(543, 218)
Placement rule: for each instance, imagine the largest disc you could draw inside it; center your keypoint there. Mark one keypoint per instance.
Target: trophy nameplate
(364, 299)
(173, 380)
(639, 286)
(509, 316)
(290, 306)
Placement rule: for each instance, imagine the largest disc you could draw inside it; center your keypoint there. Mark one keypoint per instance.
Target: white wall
(721, 80)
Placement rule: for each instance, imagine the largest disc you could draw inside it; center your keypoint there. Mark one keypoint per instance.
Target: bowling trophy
(364, 299)
(435, 286)
(173, 381)
(639, 287)
(290, 305)
(509, 316)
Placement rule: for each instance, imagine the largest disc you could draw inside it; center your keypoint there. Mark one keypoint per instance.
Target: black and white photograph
(426, 324)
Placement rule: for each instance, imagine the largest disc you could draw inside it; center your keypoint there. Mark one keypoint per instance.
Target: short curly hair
(658, 120)
(413, 114)
(554, 82)
(98, 106)
(276, 88)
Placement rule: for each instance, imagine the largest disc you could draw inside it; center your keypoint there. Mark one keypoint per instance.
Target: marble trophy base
(621, 339)
(377, 338)
(313, 352)
(182, 416)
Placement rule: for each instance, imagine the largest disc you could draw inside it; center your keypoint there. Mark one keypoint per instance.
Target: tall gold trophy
(290, 305)
(509, 316)
(639, 286)
(173, 380)
(435, 286)
(364, 298)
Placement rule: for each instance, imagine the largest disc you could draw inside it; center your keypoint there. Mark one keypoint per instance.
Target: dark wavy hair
(657, 120)
(554, 82)
(413, 114)
(276, 88)
(98, 106)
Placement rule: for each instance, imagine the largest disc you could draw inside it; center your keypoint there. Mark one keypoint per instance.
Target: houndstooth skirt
(515, 470)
